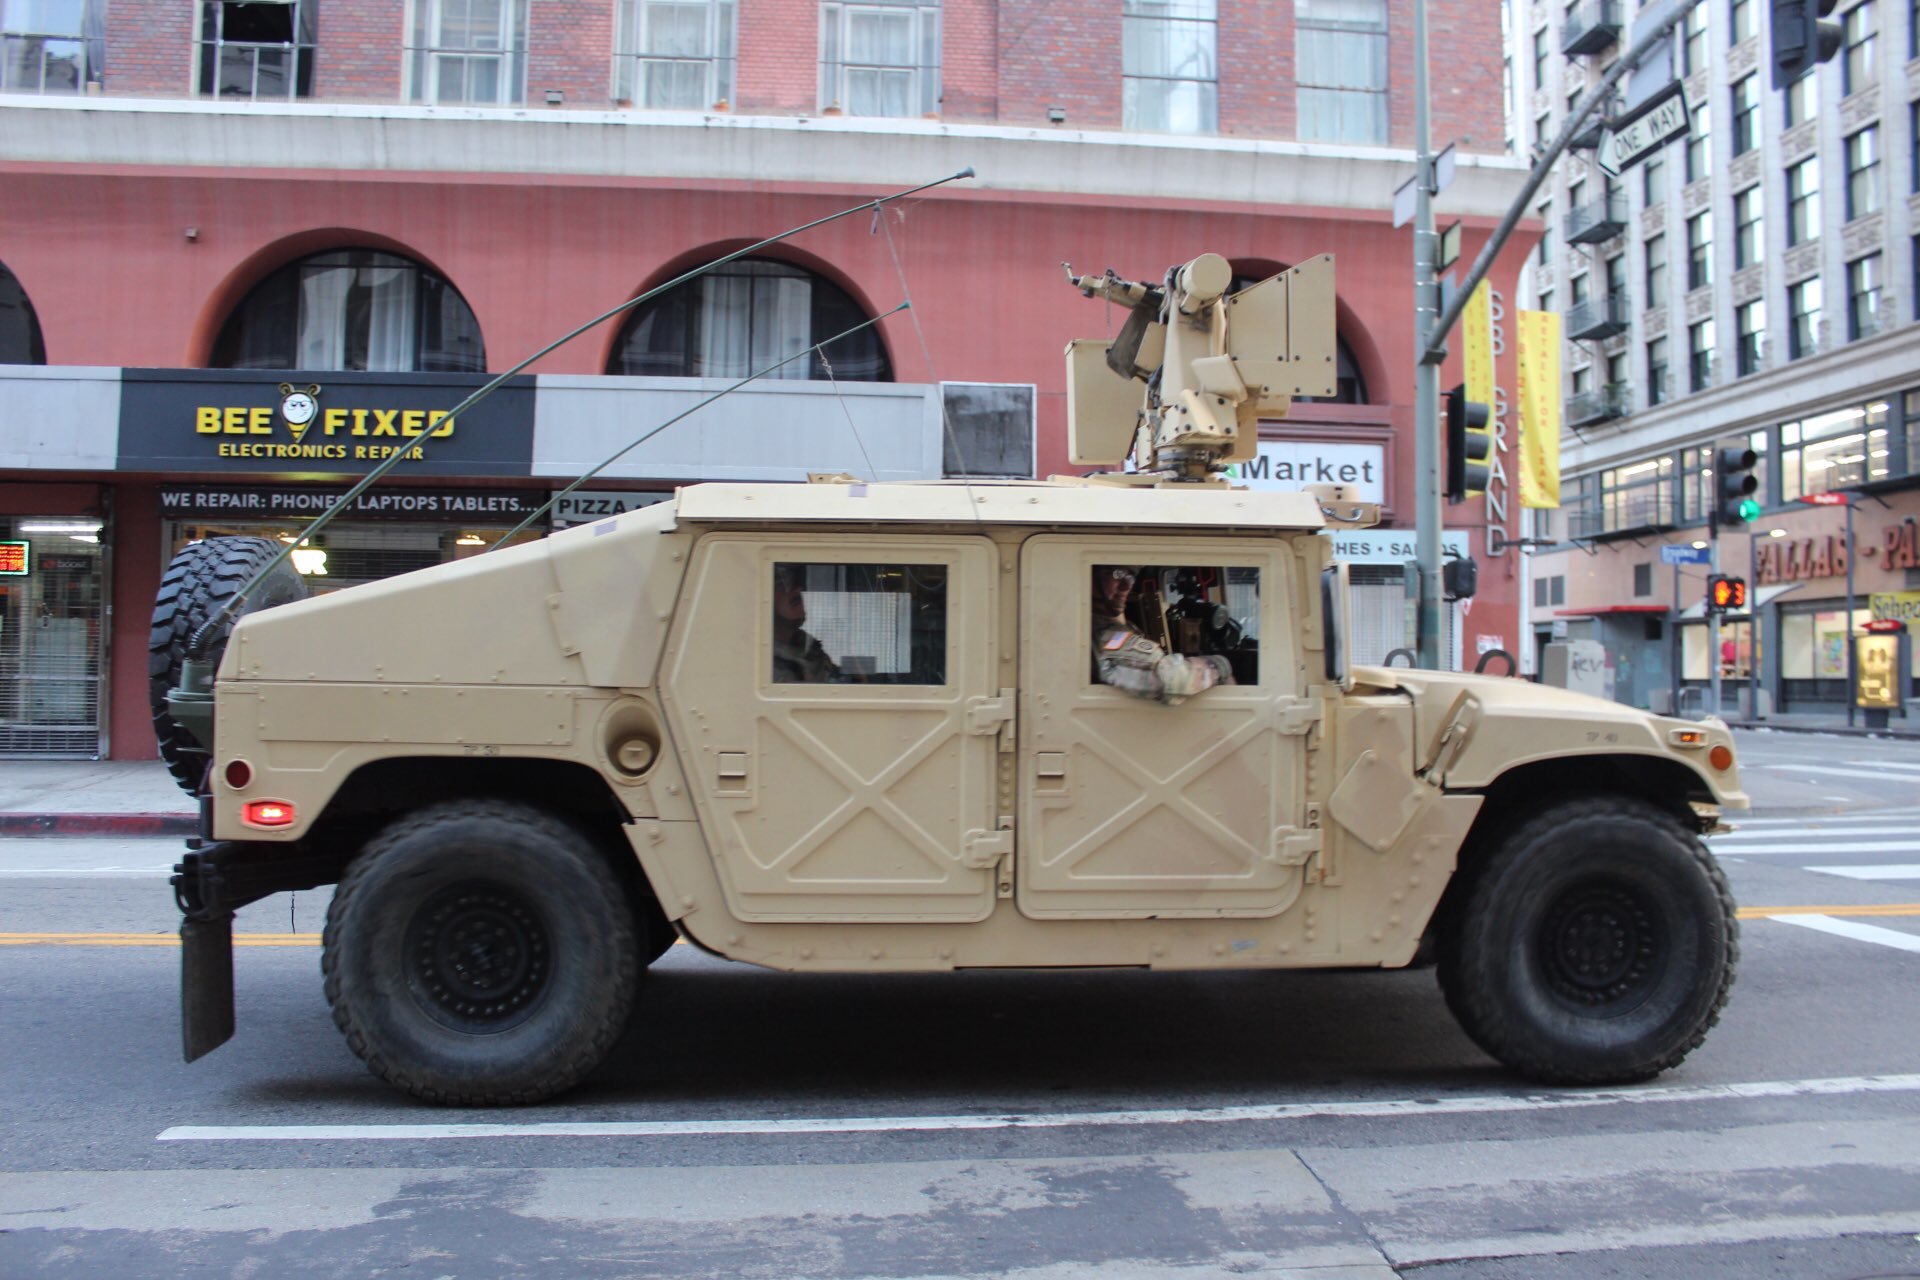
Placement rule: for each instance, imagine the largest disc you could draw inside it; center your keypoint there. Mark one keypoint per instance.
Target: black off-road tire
(1596, 946)
(481, 953)
(202, 578)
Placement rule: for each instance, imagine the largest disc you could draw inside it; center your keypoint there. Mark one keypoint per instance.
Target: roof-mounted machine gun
(1214, 363)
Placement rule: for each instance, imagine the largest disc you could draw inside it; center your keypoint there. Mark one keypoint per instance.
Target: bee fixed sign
(1659, 121)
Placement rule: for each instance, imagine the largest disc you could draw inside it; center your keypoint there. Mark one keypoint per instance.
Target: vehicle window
(1187, 610)
(859, 623)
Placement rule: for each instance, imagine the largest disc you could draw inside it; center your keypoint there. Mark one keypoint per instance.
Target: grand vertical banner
(1539, 362)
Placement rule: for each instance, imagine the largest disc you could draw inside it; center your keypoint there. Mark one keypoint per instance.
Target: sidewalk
(1831, 722)
(93, 798)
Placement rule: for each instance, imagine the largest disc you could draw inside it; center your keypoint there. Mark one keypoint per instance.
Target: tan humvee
(845, 727)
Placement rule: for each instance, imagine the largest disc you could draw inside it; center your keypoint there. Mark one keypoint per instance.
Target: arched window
(353, 309)
(742, 318)
(20, 341)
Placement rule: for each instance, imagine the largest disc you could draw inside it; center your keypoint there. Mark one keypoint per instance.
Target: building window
(1750, 349)
(1616, 369)
(1642, 580)
(1859, 67)
(743, 318)
(1546, 300)
(1693, 40)
(1863, 297)
(1913, 142)
(471, 51)
(256, 50)
(1700, 143)
(1740, 21)
(1582, 380)
(1803, 318)
(1638, 496)
(51, 46)
(1342, 60)
(1653, 180)
(1803, 201)
(1657, 386)
(1700, 356)
(1542, 46)
(1616, 277)
(881, 58)
(1545, 214)
(1700, 250)
(1172, 73)
(20, 340)
(1749, 235)
(1835, 450)
(1802, 100)
(1577, 289)
(1863, 173)
(1696, 483)
(1746, 114)
(675, 53)
(353, 309)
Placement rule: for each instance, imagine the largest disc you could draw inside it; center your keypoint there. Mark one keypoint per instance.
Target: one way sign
(1660, 120)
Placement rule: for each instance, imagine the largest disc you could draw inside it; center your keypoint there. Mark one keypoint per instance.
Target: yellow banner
(1476, 324)
(1539, 408)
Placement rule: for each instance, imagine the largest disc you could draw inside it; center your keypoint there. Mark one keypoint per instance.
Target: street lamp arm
(1436, 350)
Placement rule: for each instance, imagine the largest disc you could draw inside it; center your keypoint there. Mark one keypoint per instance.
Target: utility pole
(1426, 375)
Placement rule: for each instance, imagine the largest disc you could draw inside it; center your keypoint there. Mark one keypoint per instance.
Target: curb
(1840, 729)
(99, 824)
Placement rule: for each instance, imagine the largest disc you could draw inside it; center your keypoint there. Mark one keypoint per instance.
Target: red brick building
(391, 200)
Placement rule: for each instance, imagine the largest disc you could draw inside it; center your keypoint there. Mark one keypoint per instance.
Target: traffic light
(1468, 445)
(1726, 594)
(1800, 39)
(1734, 485)
(1460, 577)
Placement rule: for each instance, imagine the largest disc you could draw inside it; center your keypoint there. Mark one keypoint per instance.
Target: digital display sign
(13, 559)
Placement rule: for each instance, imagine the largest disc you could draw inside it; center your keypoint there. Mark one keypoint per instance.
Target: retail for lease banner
(1539, 408)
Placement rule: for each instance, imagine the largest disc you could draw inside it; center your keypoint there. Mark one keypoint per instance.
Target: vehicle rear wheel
(198, 582)
(481, 953)
(1596, 946)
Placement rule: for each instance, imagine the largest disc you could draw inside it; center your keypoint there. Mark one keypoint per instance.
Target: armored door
(835, 705)
(1132, 807)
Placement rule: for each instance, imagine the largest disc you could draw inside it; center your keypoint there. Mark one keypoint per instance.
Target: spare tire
(199, 581)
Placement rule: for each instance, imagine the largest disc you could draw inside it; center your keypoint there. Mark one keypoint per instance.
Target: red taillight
(267, 813)
(239, 774)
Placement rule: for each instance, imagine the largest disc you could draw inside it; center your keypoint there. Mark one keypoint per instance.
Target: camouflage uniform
(1129, 661)
(799, 659)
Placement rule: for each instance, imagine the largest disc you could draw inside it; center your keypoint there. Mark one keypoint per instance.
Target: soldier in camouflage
(1129, 661)
(798, 657)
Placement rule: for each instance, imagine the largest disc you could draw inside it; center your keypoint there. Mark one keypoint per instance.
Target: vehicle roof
(1000, 502)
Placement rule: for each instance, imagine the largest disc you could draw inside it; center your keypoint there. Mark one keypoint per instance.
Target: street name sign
(1686, 555)
(1628, 141)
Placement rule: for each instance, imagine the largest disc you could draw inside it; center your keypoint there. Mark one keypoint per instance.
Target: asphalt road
(1043, 1126)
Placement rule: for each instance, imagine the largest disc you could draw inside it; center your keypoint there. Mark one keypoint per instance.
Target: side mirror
(1333, 617)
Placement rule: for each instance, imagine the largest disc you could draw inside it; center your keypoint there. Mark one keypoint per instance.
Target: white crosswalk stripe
(1890, 835)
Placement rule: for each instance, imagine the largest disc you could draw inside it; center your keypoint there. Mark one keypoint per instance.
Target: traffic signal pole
(1426, 375)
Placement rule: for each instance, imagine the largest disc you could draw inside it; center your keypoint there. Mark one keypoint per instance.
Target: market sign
(484, 507)
(13, 559)
(325, 423)
(1293, 464)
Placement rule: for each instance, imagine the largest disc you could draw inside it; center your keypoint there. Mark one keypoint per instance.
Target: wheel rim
(477, 957)
(1602, 946)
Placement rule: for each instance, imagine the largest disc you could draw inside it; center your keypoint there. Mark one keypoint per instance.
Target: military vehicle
(850, 727)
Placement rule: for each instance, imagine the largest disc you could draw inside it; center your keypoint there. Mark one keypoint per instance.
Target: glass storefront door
(52, 643)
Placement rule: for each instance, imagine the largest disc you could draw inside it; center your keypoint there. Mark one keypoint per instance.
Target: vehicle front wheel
(1596, 946)
(481, 953)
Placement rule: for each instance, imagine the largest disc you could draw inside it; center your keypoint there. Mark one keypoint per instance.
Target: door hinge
(992, 715)
(1294, 846)
(982, 849)
(1297, 715)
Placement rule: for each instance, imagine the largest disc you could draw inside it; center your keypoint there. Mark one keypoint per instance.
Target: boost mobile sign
(326, 423)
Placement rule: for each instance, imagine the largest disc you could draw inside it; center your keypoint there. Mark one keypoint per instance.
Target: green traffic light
(1749, 511)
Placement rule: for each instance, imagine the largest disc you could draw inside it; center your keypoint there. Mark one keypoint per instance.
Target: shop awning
(1761, 599)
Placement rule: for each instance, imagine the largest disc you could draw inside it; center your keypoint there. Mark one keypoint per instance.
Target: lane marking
(85, 873)
(1807, 850)
(1790, 833)
(1864, 909)
(150, 939)
(1820, 821)
(1911, 767)
(1385, 1109)
(1858, 932)
(1893, 871)
(1855, 774)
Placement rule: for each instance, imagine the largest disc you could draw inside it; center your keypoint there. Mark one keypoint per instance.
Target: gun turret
(1212, 362)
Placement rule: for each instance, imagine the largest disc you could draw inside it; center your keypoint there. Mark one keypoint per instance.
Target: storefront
(52, 639)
